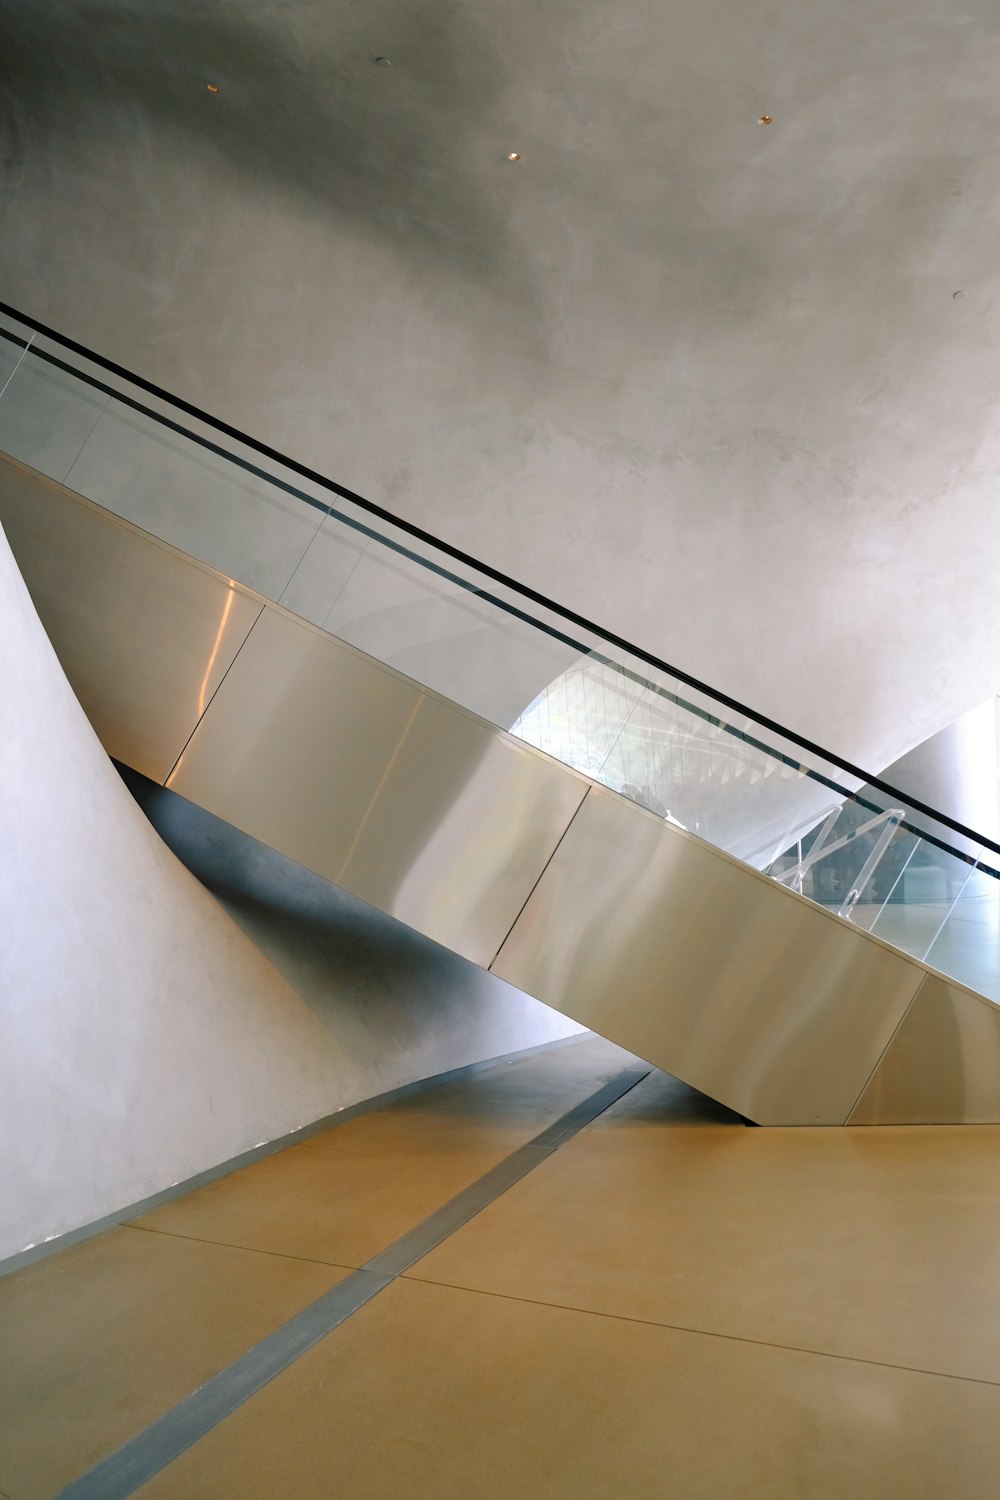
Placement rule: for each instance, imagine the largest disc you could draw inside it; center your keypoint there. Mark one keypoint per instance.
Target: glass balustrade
(555, 681)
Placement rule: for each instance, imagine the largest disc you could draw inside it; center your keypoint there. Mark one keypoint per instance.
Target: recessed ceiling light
(383, 62)
(764, 120)
(213, 88)
(958, 296)
(513, 156)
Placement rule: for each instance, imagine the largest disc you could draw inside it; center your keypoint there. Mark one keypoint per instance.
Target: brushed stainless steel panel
(634, 928)
(385, 789)
(941, 1067)
(707, 969)
(144, 634)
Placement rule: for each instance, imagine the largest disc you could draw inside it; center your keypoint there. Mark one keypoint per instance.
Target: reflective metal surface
(942, 1066)
(639, 930)
(709, 970)
(144, 634)
(376, 784)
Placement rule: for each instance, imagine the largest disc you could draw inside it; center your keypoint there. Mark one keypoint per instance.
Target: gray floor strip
(422, 1239)
(143, 1456)
(35, 1253)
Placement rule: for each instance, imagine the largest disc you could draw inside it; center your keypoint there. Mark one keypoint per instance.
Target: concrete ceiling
(706, 380)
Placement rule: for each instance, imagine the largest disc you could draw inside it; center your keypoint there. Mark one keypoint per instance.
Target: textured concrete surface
(147, 1037)
(704, 379)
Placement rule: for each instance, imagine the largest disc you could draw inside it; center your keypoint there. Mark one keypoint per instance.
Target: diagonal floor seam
(198, 1239)
(709, 1333)
(144, 1455)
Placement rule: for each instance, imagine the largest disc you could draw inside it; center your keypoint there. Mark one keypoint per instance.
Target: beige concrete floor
(98, 1341)
(670, 1305)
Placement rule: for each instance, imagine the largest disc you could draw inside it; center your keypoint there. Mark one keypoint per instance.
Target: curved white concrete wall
(707, 382)
(956, 770)
(145, 1036)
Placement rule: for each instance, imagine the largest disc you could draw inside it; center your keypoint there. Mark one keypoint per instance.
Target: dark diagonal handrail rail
(579, 621)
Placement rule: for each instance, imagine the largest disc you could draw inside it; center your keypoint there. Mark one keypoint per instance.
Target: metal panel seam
(79, 452)
(534, 888)
(201, 717)
(885, 1049)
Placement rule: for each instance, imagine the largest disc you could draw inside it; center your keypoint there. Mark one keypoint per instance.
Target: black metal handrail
(457, 555)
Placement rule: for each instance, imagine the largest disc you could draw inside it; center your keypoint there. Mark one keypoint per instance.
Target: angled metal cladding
(943, 1063)
(633, 927)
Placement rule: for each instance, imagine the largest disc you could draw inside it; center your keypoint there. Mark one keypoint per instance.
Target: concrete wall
(707, 381)
(146, 1038)
(956, 771)
(383, 990)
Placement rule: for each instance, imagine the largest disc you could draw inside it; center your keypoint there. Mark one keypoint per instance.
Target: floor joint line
(708, 1333)
(143, 1456)
(197, 1239)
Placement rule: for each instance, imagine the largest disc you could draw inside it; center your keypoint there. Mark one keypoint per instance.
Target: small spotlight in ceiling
(513, 156)
(764, 120)
(383, 62)
(213, 88)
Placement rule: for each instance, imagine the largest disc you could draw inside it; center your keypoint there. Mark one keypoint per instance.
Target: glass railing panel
(811, 811)
(167, 472)
(967, 944)
(884, 883)
(670, 759)
(811, 862)
(736, 780)
(10, 353)
(931, 882)
(738, 724)
(427, 619)
(718, 772)
(706, 773)
(842, 855)
(239, 521)
(46, 413)
(578, 718)
(468, 635)
(326, 566)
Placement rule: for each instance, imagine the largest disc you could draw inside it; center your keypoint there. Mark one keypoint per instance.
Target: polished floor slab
(103, 1338)
(435, 1392)
(669, 1303)
(343, 1195)
(877, 1243)
(100, 1340)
